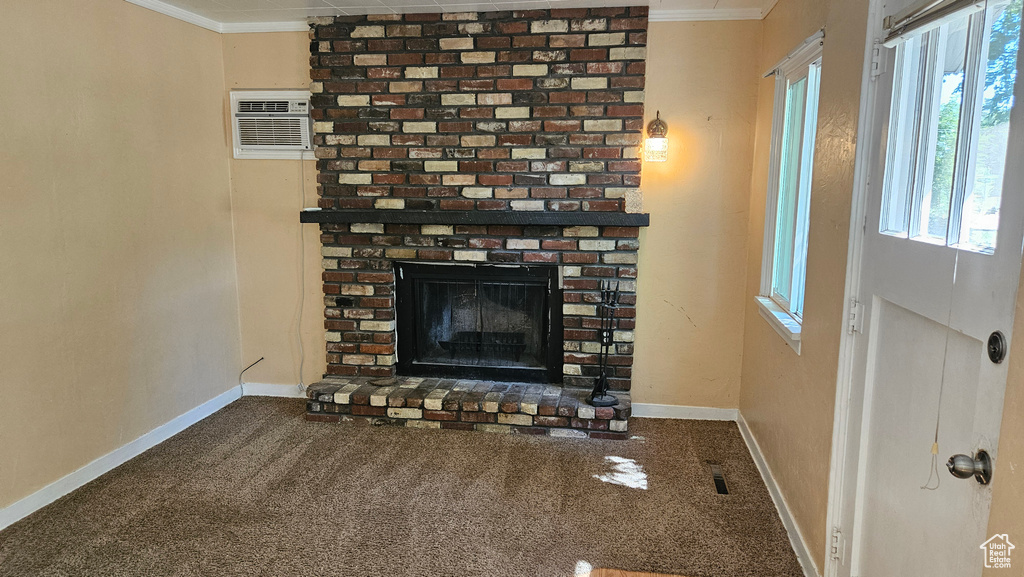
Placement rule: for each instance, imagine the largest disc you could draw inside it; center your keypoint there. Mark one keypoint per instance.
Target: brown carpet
(256, 490)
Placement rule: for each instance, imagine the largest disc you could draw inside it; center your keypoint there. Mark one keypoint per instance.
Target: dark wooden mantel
(575, 218)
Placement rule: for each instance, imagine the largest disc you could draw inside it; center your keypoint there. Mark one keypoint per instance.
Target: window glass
(789, 180)
(981, 206)
(949, 128)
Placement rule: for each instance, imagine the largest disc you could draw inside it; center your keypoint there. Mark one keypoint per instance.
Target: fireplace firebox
(480, 322)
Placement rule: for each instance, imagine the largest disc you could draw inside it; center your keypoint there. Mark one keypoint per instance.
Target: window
(787, 213)
(952, 93)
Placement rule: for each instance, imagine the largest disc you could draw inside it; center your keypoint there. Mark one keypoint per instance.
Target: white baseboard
(796, 539)
(57, 489)
(269, 390)
(655, 411)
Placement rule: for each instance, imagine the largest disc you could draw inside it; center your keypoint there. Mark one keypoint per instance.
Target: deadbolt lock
(965, 467)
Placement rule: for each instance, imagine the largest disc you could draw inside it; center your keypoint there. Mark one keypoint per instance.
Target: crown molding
(220, 27)
(179, 13)
(684, 15)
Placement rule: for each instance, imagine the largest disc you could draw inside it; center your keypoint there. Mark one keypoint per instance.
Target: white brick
(347, 178)
(635, 53)
(379, 398)
(590, 83)
(459, 99)
(421, 72)
(458, 179)
(370, 59)
(368, 32)
(527, 205)
(604, 125)
(441, 165)
(571, 369)
(323, 127)
(580, 231)
(619, 258)
(433, 400)
(609, 39)
(419, 127)
(586, 166)
(316, 87)
(522, 244)
(367, 227)
(477, 192)
(374, 140)
(633, 96)
(597, 244)
(356, 289)
(478, 140)
(568, 179)
(344, 394)
(530, 153)
(378, 326)
(572, 271)
(471, 255)
(515, 419)
(623, 336)
(328, 264)
(456, 43)
(512, 112)
(477, 57)
(436, 229)
(579, 310)
(340, 139)
(389, 203)
(494, 99)
(586, 412)
(333, 337)
(549, 26)
(530, 70)
(405, 413)
(336, 251)
(618, 426)
(617, 191)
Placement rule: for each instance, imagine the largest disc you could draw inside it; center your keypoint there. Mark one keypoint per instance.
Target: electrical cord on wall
(241, 385)
(302, 270)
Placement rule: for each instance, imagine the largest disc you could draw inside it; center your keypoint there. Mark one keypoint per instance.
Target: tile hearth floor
(489, 406)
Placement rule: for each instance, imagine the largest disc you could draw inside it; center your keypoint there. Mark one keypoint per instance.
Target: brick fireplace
(492, 140)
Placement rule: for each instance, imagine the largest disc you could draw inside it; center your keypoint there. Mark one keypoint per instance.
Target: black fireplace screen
(479, 322)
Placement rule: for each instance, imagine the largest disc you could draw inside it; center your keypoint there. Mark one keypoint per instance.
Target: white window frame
(781, 314)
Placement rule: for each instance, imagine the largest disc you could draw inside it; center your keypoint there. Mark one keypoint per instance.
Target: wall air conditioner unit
(271, 123)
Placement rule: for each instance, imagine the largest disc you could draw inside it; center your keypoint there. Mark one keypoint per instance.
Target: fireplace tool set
(609, 304)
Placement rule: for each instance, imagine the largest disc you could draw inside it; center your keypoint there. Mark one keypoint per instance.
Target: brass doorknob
(965, 467)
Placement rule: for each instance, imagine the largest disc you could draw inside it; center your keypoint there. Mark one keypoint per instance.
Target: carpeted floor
(256, 490)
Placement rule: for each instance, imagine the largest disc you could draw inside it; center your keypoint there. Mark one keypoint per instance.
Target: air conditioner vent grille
(271, 132)
(263, 106)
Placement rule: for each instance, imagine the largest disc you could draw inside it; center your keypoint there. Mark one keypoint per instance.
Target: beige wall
(786, 399)
(117, 280)
(267, 196)
(703, 79)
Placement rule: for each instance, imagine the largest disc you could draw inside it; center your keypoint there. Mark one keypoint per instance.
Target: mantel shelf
(576, 218)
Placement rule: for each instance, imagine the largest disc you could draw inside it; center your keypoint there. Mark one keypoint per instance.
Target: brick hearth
(468, 405)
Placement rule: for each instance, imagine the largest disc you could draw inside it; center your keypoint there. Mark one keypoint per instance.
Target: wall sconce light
(656, 145)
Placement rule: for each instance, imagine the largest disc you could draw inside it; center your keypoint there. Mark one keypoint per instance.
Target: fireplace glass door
(478, 322)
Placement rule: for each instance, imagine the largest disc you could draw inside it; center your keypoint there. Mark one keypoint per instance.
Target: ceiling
(284, 15)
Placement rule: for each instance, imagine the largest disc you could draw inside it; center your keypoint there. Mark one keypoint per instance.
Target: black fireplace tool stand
(609, 304)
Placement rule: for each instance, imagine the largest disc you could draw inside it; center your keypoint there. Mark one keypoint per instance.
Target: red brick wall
(538, 111)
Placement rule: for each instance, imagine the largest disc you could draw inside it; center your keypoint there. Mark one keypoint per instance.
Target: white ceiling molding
(679, 15)
(179, 13)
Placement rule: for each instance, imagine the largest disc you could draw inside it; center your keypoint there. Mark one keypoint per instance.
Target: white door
(940, 266)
